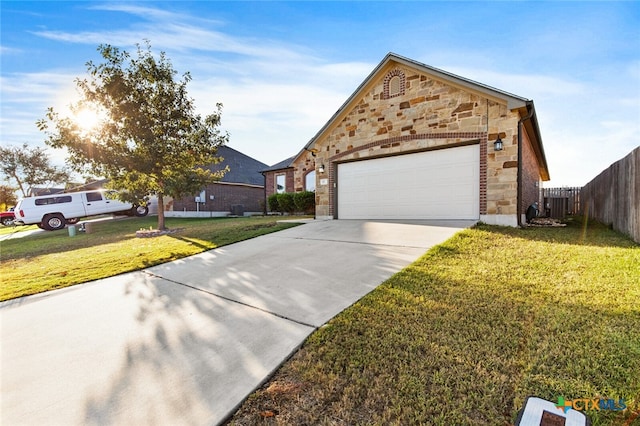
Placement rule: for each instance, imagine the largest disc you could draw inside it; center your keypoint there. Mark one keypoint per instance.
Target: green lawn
(467, 332)
(4, 230)
(50, 260)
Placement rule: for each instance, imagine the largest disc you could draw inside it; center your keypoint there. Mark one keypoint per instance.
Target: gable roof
(242, 168)
(524, 105)
(284, 164)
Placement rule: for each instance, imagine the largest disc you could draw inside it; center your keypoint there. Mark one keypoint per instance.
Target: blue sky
(282, 69)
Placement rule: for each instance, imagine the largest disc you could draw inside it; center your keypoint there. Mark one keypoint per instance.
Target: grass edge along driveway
(52, 260)
(467, 332)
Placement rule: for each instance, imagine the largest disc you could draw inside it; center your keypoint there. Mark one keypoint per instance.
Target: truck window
(53, 200)
(94, 196)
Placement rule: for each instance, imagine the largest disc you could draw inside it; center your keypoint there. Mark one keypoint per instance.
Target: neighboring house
(416, 142)
(240, 192)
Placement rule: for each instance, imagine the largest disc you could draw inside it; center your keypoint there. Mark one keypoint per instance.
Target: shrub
(272, 201)
(285, 203)
(305, 201)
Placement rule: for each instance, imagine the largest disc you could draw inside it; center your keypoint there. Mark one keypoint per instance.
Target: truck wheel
(141, 211)
(73, 221)
(53, 222)
(7, 221)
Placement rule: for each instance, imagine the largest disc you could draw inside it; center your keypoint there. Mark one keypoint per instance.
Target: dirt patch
(269, 404)
(150, 233)
(545, 222)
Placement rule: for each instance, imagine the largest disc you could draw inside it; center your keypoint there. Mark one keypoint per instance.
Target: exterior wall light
(497, 145)
(321, 168)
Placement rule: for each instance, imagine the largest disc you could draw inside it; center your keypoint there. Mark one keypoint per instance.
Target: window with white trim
(310, 181)
(281, 185)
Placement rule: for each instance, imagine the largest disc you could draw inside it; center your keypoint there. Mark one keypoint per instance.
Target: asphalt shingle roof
(284, 164)
(242, 168)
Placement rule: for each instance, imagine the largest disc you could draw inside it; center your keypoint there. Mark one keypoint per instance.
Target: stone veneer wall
(429, 114)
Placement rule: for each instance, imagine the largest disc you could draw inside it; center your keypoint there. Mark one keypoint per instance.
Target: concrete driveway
(186, 342)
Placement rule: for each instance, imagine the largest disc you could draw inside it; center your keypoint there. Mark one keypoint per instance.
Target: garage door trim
(470, 182)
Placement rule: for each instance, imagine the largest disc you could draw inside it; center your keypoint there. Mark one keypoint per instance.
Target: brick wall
(224, 196)
(270, 182)
(530, 176)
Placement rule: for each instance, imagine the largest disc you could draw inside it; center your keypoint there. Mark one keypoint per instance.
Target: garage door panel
(441, 184)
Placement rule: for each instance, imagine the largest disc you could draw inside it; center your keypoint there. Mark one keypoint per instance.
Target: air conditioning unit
(237, 209)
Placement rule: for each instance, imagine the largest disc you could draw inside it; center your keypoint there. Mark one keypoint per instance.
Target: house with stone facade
(240, 192)
(417, 142)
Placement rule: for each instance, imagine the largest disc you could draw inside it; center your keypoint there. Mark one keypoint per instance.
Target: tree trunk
(161, 226)
(17, 178)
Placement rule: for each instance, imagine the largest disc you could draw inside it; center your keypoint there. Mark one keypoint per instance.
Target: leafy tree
(29, 167)
(7, 197)
(148, 139)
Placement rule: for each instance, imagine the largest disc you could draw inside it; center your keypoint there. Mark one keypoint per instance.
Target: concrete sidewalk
(186, 342)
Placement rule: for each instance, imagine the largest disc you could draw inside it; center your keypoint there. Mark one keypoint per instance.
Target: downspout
(265, 208)
(519, 178)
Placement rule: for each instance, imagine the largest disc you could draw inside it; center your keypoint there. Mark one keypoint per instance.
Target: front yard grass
(50, 260)
(4, 230)
(467, 332)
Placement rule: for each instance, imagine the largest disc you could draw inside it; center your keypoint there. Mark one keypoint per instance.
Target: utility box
(237, 210)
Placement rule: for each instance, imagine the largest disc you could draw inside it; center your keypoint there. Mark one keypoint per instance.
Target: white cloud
(585, 124)
(270, 121)
(174, 31)
(271, 91)
(4, 50)
(530, 86)
(142, 12)
(278, 94)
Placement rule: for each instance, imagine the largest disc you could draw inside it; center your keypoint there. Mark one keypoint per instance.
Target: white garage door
(442, 184)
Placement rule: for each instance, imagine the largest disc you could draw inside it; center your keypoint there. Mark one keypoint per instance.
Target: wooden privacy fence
(613, 197)
(560, 202)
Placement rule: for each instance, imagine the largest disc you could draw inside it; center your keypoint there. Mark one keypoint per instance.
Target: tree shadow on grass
(60, 242)
(106, 233)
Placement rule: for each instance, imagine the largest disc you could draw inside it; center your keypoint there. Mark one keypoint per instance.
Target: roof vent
(394, 84)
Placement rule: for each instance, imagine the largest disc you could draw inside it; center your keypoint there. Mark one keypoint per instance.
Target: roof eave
(534, 129)
(513, 101)
(345, 104)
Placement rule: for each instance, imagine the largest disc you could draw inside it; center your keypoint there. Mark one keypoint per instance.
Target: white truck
(54, 211)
